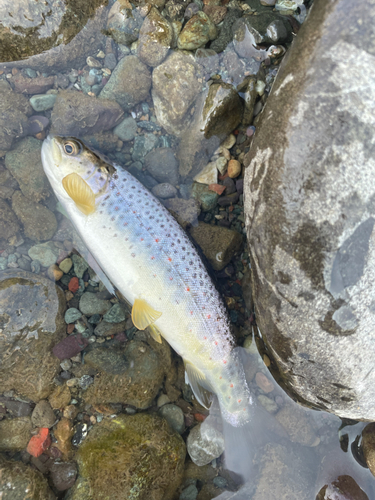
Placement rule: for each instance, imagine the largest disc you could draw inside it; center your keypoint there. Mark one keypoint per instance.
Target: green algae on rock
(20, 482)
(31, 323)
(138, 457)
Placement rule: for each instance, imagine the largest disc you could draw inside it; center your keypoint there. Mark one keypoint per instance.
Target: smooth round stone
(234, 168)
(204, 446)
(66, 265)
(197, 32)
(220, 482)
(3, 263)
(189, 493)
(126, 130)
(80, 265)
(174, 416)
(143, 144)
(35, 266)
(24, 264)
(72, 315)
(91, 304)
(163, 399)
(164, 191)
(42, 102)
(45, 253)
(110, 61)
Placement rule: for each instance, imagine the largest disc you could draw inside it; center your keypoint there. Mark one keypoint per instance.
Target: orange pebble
(73, 285)
(199, 417)
(39, 443)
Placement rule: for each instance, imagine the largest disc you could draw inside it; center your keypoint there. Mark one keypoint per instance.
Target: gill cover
(80, 192)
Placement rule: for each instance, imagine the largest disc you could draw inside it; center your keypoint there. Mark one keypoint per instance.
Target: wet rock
(45, 253)
(234, 168)
(191, 10)
(105, 142)
(15, 433)
(63, 475)
(79, 265)
(60, 397)
(268, 404)
(129, 83)
(368, 445)
(343, 488)
(38, 85)
(312, 254)
(14, 110)
(189, 493)
(105, 329)
(43, 415)
(230, 186)
(90, 304)
(164, 191)
(174, 416)
(127, 129)
(218, 111)
(124, 24)
(250, 95)
(175, 86)
(42, 102)
(143, 144)
(116, 314)
(155, 38)
(76, 114)
(216, 13)
(115, 446)
(162, 165)
(8, 221)
(175, 10)
(38, 221)
(225, 35)
(18, 408)
(21, 482)
(137, 368)
(205, 196)
(208, 175)
(295, 421)
(26, 361)
(25, 165)
(70, 346)
(185, 211)
(267, 28)
(203, 445)
(37, 124)
(291, 472)
(207, 58)
(219, 244)
(63, 433)
(197, 32)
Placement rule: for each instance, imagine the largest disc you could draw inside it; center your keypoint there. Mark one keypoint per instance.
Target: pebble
(23, 263)
(220, 482)
(14, 433)
(163, 165)
(229, 185)
(72, 315)
(80, 265)
(54, 272)
(43, 415)
(221, 164)
(110, 61)
(127, 129)
(143, 144)
(204, 447)
(3, 263)
(163, 399)
(70, 346)
(164, 191)
(268, 403)
(234, 168)
(149, 126)
(42, 102)
(263, 382)
(39, 443)
(85, 381)
(35, 266)
(63, 475)
(45, 253)
(197, 32)
(90, 304)
(66, 265)
(93, 63)
(189, 493)
(60, 397)
(174, 416)
(116, 314)
(73, 284)
(208, 175)
(206, 198)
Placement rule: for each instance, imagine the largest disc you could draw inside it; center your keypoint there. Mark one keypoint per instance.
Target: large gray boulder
(310, 211)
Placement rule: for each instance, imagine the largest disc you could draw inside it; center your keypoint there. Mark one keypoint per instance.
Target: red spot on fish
(170, 260)
(134, 211)
(188, 289)
(216, 343)
(220, 378)
(125, 223)
(141, 239)
(231, 385)
(170, 277)
(157, 240)
(191, 312)
(117, 208)
(239, 400)
(224, 361)
(229, 397)
(208, 316)
(152, 258)
(205, 338)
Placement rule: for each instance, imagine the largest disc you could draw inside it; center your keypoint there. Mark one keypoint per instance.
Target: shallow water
(296, 451)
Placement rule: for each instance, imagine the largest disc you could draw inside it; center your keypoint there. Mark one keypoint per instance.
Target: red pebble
(217, 188)
(199, 417)
(73, 285)
(70, 328)
(39, 443)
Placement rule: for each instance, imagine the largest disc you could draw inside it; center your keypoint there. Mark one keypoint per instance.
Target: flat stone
(143, 144)
(116, 314)
(129, 83)
(347, 487)
(185, 211)
(45, 253)
(43, 415)
(90, 304)
(164, 191)
(79, 265)
(15, 433)
(208, 175)
(162, 165)
(155, 38)
(42, 102)
(38, 221)
(63, 475)
(197, 32)
(296, 422)
(70, 346)
(206, 197)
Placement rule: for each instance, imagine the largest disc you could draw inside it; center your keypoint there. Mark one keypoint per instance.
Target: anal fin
(199, 384)
(154, 332)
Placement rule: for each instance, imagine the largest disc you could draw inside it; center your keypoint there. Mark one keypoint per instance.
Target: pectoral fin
(80, 192)
(200, 385)
(143, 315)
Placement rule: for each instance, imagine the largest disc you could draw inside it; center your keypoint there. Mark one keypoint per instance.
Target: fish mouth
(51, 151)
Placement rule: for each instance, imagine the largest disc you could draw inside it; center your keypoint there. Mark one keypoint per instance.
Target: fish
(137, 247)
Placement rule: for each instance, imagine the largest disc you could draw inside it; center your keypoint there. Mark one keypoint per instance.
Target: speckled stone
(197, 32)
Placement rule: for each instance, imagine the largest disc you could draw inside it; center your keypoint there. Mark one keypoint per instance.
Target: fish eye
(71, 147)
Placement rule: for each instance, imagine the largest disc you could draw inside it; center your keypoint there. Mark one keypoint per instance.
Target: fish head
(76, 173)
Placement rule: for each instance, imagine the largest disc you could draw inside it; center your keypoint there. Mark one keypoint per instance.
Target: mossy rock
(137, 457)
(20, 482)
